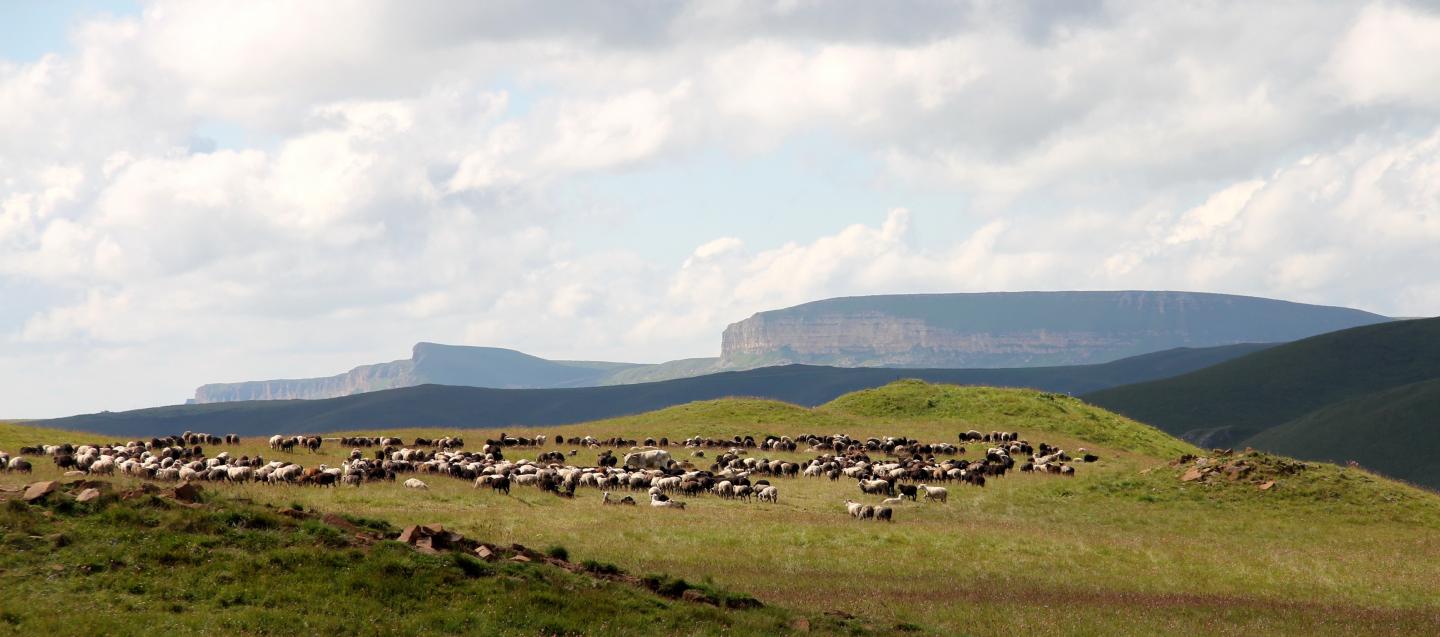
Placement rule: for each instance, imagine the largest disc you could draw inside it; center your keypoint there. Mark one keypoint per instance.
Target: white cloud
(415, 172)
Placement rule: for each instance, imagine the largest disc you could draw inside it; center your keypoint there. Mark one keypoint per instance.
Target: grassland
(1123, 548)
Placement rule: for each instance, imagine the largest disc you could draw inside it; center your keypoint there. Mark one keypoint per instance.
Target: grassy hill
(1125, 547)
(1231, 401)
(447, 406)
(1395, 430)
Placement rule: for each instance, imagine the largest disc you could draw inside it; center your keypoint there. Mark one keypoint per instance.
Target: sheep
(891, 501)
(936, 493)
(853, 508)
(867, 512)
(883, 513)
(770, 494)
(239, 474)
(656, 501)
(874, 487)
(19, 465)
(415, 483)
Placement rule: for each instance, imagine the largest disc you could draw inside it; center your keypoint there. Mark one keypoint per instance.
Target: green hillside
(1232, 401)
(1396, 431)
(1125, 547)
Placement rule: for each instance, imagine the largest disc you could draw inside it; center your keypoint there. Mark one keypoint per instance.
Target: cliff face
(429, 363)
(362, 379)
(1020, 329)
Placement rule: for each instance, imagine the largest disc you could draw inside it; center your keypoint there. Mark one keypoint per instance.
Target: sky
(197, 192)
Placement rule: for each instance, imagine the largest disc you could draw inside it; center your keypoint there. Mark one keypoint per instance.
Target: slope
(1234, 400)
(449, 406)
(1396, 431)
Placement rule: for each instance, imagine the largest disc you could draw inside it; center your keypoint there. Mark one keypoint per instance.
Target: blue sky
(211, 191)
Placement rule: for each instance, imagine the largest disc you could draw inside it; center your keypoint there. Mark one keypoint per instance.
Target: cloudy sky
(193, 193)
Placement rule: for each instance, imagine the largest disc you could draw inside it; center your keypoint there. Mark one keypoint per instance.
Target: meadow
(1124, 547)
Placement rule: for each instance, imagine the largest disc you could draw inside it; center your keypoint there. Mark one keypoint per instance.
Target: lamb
(655, 501)
(853, 508)
(936, 493)
(415, 483)
(867, 512)
(889, 501)
(770, 494)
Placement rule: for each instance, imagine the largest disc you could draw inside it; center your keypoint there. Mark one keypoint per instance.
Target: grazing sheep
(415, 483)
(908, 491)
(867, 512)
(883, 513)
(936, 493)
(770, 494)
(18, 465)
(853, 508)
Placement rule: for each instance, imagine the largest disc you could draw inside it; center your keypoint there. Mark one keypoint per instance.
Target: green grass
(148, 565)
(1125, 547)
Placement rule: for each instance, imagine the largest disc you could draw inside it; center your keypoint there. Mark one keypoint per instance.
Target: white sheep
(770, 494)
(890, 501)
(853, 508)
(655, 501)
(936, 493)
(415, 483)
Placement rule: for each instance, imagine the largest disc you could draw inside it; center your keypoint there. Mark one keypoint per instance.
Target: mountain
(1394, 430)
(428, 363)
(463, 406)
(1365, 394)
(1018, 329)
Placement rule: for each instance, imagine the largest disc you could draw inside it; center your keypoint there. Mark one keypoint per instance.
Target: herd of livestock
(894, 468)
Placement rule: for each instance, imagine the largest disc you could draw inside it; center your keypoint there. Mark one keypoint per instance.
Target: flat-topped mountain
(429, 363)
(1018, 329)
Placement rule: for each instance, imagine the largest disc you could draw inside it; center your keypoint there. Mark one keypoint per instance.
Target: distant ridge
(453, 406)
(939, 331)
(1018, 329)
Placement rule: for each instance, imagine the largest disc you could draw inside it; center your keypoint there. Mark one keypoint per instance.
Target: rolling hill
(1347, 394)
(455, 406)
(1395, 430)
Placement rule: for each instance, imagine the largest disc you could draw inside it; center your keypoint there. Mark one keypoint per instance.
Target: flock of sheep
(892, 467)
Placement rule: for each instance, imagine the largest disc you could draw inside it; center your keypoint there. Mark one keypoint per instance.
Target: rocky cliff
(1018, 329)
(429, 363)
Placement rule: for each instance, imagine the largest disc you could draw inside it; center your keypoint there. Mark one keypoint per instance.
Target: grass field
(1123, 548)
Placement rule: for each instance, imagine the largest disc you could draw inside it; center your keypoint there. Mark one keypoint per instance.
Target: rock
(409, 535)
(486, 553)
(1267, 485)
(187, 492)
(39, 490)
(1192, 475)
(520, 558)
(697, 596)
(88, 495)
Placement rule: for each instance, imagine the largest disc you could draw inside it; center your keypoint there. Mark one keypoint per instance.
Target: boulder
(187, 492)
(1192, 475)
(88, 495)
(39, 490)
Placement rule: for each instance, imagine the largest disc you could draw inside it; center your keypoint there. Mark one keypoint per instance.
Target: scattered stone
(1192, 475)
(486, 553)
(1267, 485)
(187, 492)
(520, 558)
(39, 490)
(88, 495)
(409, 535)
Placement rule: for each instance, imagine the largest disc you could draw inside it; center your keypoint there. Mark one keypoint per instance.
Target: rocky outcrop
(1020, 329)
